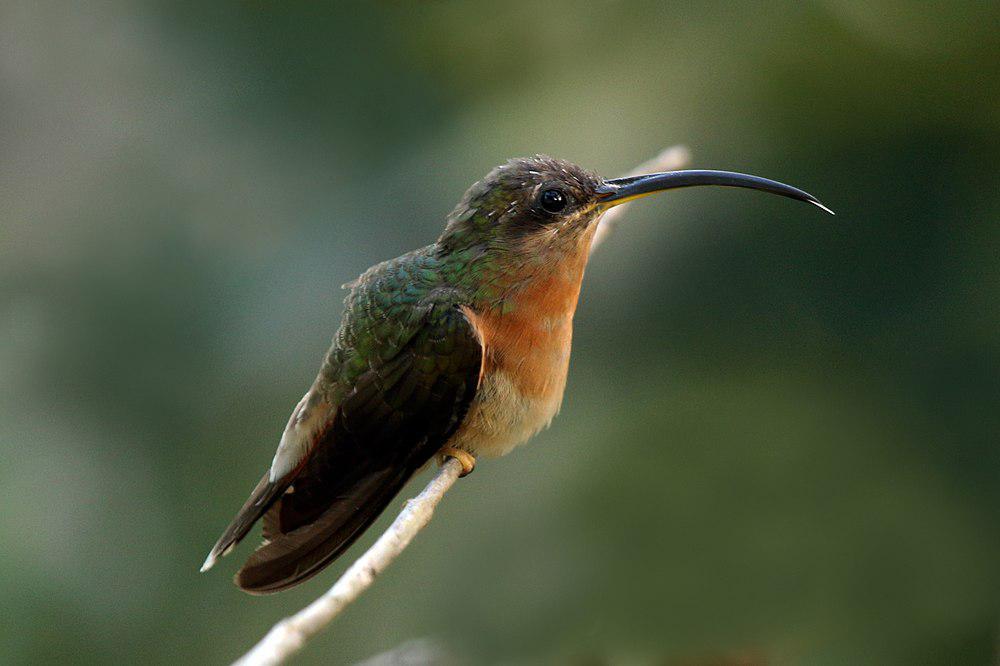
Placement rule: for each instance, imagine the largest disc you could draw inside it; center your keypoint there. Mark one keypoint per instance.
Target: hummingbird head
(528, 208)
(538, 211)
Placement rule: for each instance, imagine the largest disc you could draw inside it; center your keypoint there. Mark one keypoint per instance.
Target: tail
(261, 499)
(290, 556)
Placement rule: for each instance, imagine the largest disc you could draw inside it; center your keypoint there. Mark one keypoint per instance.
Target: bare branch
(290, 635)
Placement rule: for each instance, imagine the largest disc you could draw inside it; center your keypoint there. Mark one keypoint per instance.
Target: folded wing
(341, 471)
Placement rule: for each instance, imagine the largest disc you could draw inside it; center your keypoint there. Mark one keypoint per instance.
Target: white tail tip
(209, 562)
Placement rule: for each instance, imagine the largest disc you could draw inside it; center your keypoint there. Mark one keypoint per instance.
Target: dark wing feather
(400, 412)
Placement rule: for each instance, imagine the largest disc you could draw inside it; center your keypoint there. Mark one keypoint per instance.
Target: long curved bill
(622, 190)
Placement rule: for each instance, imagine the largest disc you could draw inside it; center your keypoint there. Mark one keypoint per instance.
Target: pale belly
(504, 414)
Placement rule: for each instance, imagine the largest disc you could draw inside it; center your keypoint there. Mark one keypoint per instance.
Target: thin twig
(290, 635)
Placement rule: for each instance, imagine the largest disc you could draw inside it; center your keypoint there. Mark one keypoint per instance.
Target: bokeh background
(780, 437)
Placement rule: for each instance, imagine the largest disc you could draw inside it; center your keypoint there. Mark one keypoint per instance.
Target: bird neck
(543, 283)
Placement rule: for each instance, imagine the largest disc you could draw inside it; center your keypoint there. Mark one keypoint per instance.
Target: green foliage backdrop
(781, 429)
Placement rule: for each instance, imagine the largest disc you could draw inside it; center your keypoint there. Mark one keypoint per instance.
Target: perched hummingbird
(457, 349)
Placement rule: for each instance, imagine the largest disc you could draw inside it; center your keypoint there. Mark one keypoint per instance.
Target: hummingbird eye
(552, 200)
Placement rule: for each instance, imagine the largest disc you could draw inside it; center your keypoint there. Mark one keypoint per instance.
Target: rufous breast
(526, 345)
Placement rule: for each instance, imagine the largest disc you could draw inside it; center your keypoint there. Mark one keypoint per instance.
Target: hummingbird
(458, 349)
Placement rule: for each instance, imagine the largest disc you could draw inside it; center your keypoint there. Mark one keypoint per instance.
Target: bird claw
(467, 460)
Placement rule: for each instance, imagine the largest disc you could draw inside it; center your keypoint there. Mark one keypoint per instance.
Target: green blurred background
(780, 435)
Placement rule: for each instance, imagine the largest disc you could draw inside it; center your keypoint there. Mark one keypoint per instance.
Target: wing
(401, 403)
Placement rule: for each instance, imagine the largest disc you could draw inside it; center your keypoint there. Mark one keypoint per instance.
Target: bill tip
(816, 203)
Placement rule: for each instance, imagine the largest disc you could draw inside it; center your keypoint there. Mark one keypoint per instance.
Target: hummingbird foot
(467, 459)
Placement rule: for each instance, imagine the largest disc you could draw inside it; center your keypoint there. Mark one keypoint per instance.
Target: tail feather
(261, 499)
(289, 558)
